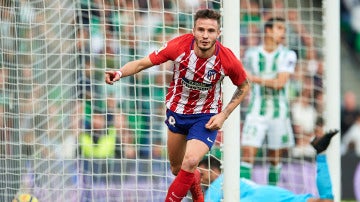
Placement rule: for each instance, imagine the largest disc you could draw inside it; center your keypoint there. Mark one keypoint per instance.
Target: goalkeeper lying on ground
(250, 191)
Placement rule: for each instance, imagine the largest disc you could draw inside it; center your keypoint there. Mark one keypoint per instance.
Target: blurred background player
(269, 68)
(250, 191)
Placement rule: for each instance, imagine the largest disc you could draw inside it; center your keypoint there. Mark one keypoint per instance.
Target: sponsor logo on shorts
(172, 120)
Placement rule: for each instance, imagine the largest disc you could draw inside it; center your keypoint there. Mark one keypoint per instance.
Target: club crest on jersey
(211, 75)
(160, 49)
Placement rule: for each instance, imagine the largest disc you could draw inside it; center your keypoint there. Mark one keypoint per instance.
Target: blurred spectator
(300, 40)
(126, 136)
(352, 138)
(349, 111)
(250, 19)
(303, 147)
(250, 12)
(99, 147)
(100, 141)
(350, 15)
(319, 102)
(304, 114)
(319, 76)
(115, 118)
(250, 37)
(4, 94)
(273, 8)
(4, 104)
(7, 41)
(85, 90)
(319, 127)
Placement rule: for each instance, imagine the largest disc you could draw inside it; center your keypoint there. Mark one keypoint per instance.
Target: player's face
(205, 175)
(278, 32)
(206, 32)
(208, 175)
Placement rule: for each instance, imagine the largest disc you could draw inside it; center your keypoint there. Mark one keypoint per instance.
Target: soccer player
(269, 68)
(250, 191)
(194, 106)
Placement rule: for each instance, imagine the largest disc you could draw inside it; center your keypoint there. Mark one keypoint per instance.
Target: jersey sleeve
(166, 52)
(234, 69)
(289, 62)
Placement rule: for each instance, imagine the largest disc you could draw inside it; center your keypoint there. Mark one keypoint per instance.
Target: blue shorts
(191, 125)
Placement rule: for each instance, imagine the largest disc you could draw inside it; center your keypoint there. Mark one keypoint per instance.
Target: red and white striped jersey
(196, 84)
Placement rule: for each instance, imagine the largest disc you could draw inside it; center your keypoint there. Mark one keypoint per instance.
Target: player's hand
(111, 77)
(216, 122)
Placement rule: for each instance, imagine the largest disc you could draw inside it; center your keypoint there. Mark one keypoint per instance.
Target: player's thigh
(195, 151)
(199, 132)
(176, 146)
(254, 131)
(280, 134)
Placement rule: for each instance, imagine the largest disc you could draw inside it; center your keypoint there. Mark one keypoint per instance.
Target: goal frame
(231, 144)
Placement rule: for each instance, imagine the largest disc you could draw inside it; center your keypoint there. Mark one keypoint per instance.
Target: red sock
(180, 186)
(195, 189)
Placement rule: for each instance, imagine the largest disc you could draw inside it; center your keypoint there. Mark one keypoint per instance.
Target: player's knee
(190, 162)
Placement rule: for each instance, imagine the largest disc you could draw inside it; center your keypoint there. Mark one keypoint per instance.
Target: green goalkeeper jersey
(265, 101)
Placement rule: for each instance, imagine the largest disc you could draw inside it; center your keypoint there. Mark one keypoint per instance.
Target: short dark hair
(207, 14)
(211, 162)
(270, 23)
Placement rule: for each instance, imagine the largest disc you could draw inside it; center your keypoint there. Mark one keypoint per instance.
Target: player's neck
(204, 54)
(270, 45)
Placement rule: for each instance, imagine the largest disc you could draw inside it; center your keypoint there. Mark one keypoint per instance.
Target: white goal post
(331, 48)
(333, 83)
(231, 128)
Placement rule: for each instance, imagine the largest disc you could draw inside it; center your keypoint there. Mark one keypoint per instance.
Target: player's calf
(195, 189)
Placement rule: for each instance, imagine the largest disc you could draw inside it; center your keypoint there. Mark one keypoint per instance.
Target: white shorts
(279, 132)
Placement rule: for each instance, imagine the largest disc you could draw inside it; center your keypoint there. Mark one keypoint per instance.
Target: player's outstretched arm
(323, 181)
(216, 122)
(128, 69)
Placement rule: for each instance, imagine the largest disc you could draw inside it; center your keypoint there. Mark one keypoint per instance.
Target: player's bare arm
(277, 83)
(128, 69)
(216, 122)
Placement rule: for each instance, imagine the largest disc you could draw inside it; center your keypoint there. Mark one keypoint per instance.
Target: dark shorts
(191, 125)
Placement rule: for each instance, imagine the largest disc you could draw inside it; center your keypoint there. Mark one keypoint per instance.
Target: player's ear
(219, 33)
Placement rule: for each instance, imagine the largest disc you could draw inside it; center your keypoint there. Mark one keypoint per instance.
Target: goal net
(305, 89)
(67, 136)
